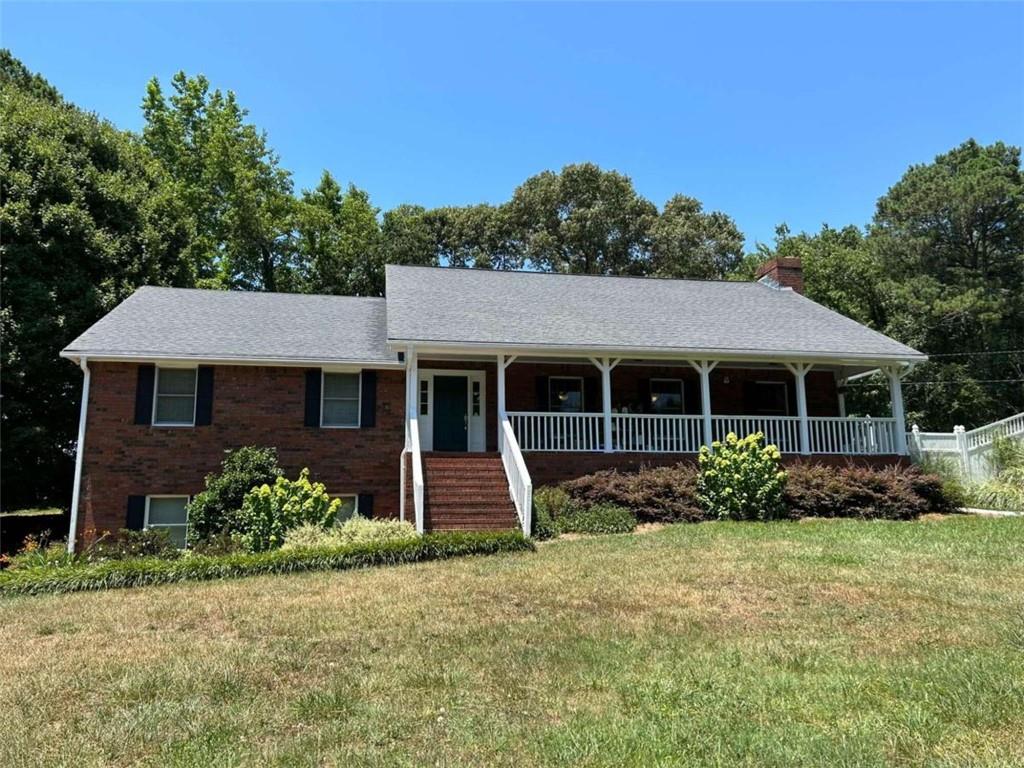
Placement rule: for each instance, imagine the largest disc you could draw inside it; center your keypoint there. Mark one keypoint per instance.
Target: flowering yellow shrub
(741, 479)
(269, 512)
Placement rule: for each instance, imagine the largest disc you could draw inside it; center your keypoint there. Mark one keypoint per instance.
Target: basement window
(349, 507)
(168, 513)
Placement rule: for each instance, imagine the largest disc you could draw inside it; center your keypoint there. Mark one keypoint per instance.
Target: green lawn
(826, 643)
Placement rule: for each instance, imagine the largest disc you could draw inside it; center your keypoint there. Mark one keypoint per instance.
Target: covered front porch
(636, 405)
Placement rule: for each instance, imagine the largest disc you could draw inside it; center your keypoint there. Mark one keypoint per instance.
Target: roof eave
(839, 358)
(132, 357)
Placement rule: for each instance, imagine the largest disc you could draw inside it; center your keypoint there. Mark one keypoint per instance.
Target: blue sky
(799, 113)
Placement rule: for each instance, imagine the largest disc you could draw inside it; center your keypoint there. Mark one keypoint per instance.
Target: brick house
(447, 401)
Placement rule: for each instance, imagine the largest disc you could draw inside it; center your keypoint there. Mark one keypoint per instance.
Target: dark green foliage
(144, 571)
(549, 504)
(87, 216)
(215, 511)
(654, 494)
(596, 519)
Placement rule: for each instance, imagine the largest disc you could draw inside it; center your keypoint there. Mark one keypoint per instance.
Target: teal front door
(451, 422)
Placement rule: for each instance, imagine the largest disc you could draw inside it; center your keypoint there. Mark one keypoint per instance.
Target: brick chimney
(782, 273)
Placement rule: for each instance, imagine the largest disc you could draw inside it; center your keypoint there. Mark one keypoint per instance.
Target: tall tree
(481, 236)
(339, 240)
(686, 242)
(408, 236)
(87, 216)
(240, 198)
(583, 220)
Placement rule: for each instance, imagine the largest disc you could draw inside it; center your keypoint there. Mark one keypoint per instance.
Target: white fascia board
(724, 355)
(99, 357)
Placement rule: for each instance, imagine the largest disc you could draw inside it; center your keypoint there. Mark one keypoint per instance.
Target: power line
(976, 354)
(945, 383)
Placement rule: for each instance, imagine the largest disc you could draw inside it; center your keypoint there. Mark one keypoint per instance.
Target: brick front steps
(466, 492)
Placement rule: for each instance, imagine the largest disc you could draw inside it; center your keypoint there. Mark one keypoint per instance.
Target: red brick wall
(630, 386)
(251, 406)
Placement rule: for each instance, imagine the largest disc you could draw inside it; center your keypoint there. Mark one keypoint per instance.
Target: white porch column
(799, 371)
(605, 365)
(704, 368)
(79, 455)
(503, 363)
(895, 376)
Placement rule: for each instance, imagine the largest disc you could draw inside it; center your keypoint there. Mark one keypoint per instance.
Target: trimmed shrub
(215, 510)
(355, 530)
(741, 479)
(654, 494)
(890, 493)
(598, 518)
(138, 572)
(549, 504)
(268, 513)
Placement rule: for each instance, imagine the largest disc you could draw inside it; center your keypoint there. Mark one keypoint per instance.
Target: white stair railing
(417, 472)
(520, 487)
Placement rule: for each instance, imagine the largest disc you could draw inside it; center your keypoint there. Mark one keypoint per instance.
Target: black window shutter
(592, 394)
(144, 394)
(365, 505)
(136, 516)
(313, 397)
(645, 396)
(204, 396)
(751, 400)
(368, 402)
(542, 393)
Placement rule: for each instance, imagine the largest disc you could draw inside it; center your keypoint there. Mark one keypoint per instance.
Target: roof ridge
(540, 273)
(243, 292)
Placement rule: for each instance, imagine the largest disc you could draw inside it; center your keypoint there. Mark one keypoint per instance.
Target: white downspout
(79, 453)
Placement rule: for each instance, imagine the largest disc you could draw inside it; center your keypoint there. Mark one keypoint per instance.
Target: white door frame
(477, 437)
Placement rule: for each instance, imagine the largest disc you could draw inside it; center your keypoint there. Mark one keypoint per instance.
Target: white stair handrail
(417, 472)
(520, 486)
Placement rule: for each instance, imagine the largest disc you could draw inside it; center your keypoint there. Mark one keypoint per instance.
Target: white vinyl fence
(970, 448)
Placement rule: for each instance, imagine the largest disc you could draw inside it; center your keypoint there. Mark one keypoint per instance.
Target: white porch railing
(650, 433)
(520, 487)
(852, 436)
(417, 472)
(557, 431)
(656, 433)
(781, 431)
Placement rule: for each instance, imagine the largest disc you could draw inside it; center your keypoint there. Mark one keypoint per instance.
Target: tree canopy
(90, 212)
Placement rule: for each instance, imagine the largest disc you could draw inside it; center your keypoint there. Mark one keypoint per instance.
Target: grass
(785, 644)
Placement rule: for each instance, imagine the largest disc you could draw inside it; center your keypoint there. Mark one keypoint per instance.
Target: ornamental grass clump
(741, 479)
(268, 513)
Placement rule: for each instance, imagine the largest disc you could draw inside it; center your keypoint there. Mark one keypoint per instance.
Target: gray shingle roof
(232, 325)
(533, 309)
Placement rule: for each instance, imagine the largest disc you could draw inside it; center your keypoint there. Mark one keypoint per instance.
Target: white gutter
(79, 453)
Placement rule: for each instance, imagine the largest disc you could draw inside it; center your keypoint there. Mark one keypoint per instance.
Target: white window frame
(785, 396)
(583, 393)
(682, 394)
(359, 402)
(145, 518)
(157, 396)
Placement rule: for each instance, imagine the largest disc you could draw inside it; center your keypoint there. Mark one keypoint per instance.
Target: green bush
(549, 503)
(654, 494)
(355, 530)
(269, 512)
(598, 518)
(741, 479)
(138, 572)
(215, 511)
(151, 542)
